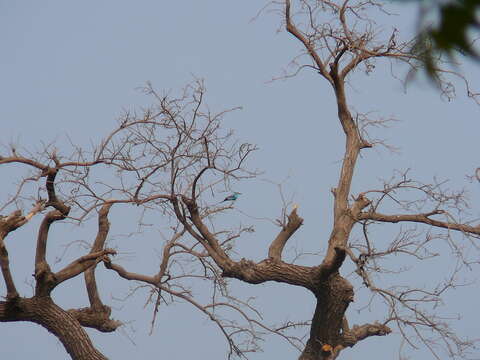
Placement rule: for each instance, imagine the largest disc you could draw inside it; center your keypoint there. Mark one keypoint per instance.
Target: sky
(69, 69)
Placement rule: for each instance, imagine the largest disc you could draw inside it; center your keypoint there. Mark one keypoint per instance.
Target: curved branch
(81, 264)
(52, 197)
(292, 29)
(420, 218)
(98, 245)
(20, 159)
(276, 248)
(8, 224)
(43, 274)
(12, 292)
(120, 270)
(45, 278)
(358, 333)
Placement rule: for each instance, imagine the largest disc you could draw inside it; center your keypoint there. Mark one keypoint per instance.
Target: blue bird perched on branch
(232, 197)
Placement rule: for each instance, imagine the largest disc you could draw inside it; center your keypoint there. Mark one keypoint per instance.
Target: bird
(232, 197)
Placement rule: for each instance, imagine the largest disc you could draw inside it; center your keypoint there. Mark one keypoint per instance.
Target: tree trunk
(43, 311)
(334, 294)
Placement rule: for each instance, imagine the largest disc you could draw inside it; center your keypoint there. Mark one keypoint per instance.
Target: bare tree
(172, 157)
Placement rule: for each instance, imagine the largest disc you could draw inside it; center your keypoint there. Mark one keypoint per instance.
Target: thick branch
(367, 330)
(7, 275)
(96, 319)
(96, 316)
(352, 149)
(20, 159)
(15, 220)
(52, 197)
(343, 221)
(98, 245)
(351, 337)
(7, 225)
(267, 270)
(276, 248)
(332, 263)
(337, 244)
(81, 264)
(43, 275)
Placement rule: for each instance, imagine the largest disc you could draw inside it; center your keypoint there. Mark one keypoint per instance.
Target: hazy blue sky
(71, 67)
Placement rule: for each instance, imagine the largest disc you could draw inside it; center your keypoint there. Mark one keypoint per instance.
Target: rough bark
(333, 295)
(43, 311)
(276, 248)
